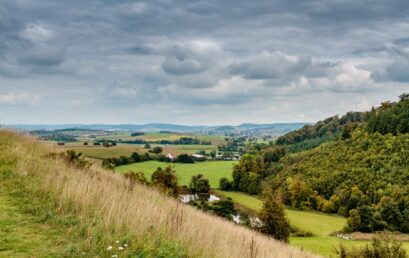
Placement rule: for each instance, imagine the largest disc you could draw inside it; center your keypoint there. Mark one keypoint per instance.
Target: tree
(223, 208)
(157, 150)
(225, 184)
(213, 154)
(147, 146)
(199, 184)
(354, 221)
(273, 217)
(135, 177)
(254, 186)
(241, 172)
(273, 154)
(85, 143)
(166, 180)
(184, 158)
(135, 157)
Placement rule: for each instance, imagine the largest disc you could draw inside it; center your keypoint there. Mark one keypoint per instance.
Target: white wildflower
(120, 248)
(117, 241)
(125, 245)
(114, 256)
(109, 248)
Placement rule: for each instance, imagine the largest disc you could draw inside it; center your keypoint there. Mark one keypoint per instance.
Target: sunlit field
(212, 170)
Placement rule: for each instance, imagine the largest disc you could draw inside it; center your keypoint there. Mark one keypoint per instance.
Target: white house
(170, 157)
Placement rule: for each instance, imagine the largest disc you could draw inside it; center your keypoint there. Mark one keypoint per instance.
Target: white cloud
(36, 33)
(19, 99)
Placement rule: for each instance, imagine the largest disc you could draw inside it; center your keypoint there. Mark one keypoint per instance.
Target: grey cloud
(398, 69)
(270, 66)
(176, 66)
(42, 56)
(126, 55)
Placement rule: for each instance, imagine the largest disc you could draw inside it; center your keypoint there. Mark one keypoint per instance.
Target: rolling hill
(91, 212)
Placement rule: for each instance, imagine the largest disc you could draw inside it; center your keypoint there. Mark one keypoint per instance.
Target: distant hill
(156, 127)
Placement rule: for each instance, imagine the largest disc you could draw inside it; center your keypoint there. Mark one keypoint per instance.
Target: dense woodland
(360, 170)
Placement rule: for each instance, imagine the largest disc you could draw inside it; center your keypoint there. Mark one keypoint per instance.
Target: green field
(212, 170)
(155, 136)
(102, 152)
(319, 224)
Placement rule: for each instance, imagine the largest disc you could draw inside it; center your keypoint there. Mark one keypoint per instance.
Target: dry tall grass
(140, 211)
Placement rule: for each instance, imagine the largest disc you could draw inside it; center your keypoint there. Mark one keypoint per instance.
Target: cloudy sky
(199, 62)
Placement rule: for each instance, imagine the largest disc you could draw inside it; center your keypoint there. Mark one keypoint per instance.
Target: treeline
(390, 117)
(233, 145)
(251, 170)
(182, 140)
(58, 137)
(323, 131)
(111, 163)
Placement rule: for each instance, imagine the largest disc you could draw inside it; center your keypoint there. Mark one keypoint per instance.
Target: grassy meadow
(101, 152)
(320, 224)
(212, 170)
(95, 213)
(155, 136)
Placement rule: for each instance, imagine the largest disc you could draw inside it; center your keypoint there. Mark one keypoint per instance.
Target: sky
(199, 62)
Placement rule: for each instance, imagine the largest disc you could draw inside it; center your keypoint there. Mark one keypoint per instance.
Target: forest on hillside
(356, 166)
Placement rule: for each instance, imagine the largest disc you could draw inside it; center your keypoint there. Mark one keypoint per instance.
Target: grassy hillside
(317, 223)
(212, 170)
(320, 224)
(95, 208)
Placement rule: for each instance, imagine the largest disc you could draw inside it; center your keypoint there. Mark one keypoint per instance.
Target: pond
(186, 198)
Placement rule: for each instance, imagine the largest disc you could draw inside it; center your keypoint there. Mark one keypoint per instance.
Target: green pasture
(320, 224)
(212, 170)
(102, 152)
(317, 223)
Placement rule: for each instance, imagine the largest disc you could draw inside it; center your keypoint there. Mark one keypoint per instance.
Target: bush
(223, 208)
(135, 177)
(199, 184)
(225, 184)
(382, 246)
(157, 150)
(184, 158)
(166, 180)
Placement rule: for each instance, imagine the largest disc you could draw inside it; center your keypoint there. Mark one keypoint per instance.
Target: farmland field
(102, 152)
(212, 170)
(155, 136)
(321, 225)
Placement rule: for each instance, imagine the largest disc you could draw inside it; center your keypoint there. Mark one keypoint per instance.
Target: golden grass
(138, 212)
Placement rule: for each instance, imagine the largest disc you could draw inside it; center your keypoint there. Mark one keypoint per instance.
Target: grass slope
(319, 224)
(212, 170)
(22, 235)
(98, 208)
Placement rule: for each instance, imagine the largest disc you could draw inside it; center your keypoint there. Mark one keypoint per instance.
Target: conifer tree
(273, 216)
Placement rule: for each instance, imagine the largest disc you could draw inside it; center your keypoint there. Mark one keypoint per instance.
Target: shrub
(166, 180)
(382, 246)
(225, 184)
(199, 184)
(184, 158)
